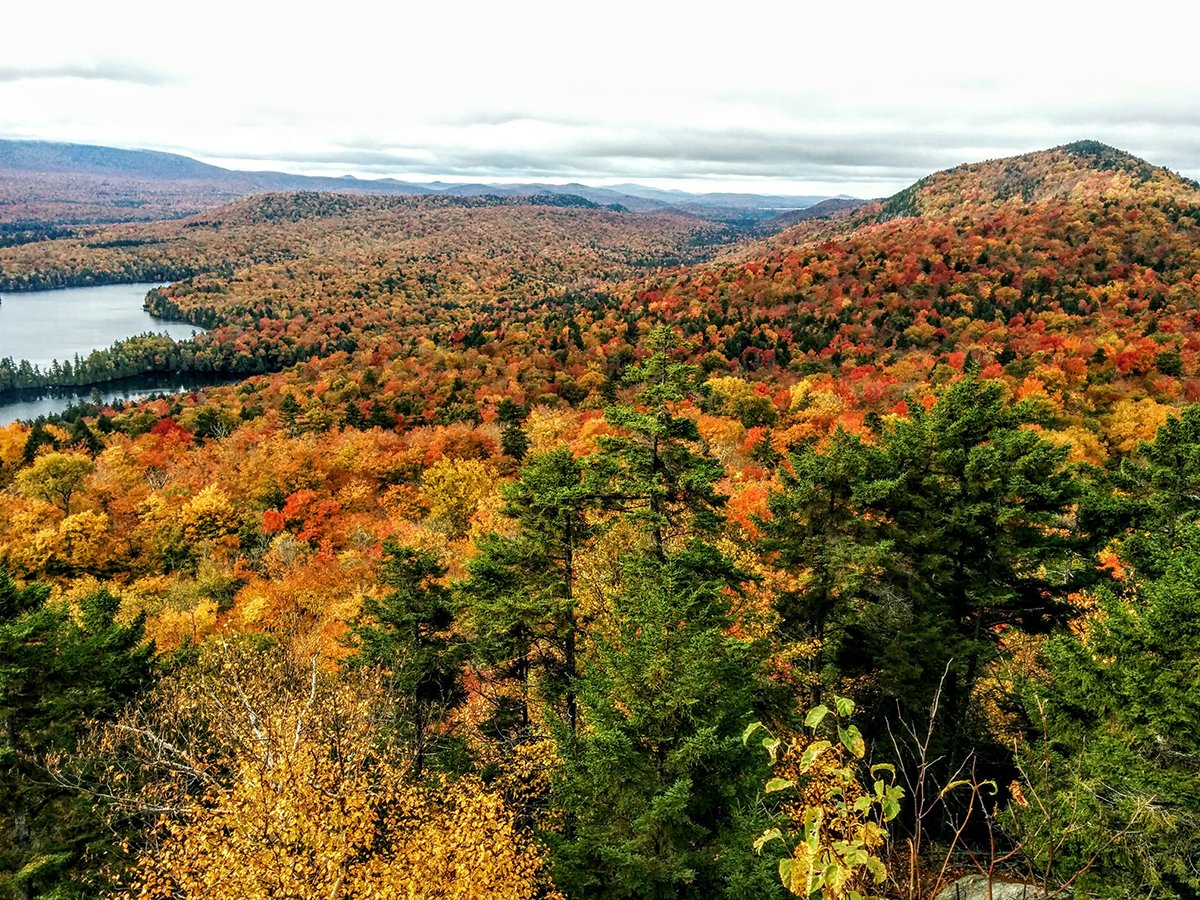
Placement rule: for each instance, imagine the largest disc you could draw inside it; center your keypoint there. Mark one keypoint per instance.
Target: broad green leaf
(834, 878)
(845, 706)
(857, 857)
(785, 872)
(779, 784)
(891, 808)
(852, 740)
(750, 729)
(816, 716)
(876, 868)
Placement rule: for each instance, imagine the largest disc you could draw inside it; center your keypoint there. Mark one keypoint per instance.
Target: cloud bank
(813, 100)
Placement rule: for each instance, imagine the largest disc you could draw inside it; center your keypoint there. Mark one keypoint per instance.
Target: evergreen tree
(1116, 739)
(353, 417)
(407, 634)
(818, 527)
(289, 414)
(978, 513)
(80, 435)
(58, 673)
(657, 770)
(655, 475)
(522, 587)
(514, 442)
(1153, 494)
(379, 417)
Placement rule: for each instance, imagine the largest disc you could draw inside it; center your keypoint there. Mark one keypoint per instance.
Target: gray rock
(975, 887)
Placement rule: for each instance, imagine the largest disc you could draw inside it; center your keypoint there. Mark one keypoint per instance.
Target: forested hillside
(549, 550)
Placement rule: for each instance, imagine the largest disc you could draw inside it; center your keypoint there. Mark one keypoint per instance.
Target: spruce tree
(819, 531)
(654, 777)
(656, 475)
(979, 516)
(407, 634)
(1111, 764)
(655, 772)
(1152, 496)
(521, 590)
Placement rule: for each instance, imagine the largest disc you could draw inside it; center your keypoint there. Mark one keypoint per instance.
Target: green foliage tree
(59, 670)
(654, 775)
(56, 477)
(408, 634)
(654, 472)
(1113, 782)
(818, 530)
(978, 511)
(1152, 496)
(521, 590)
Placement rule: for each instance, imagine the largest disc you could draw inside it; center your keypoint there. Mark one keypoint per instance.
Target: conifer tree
(819, 533)
(1156, 494)
(521, 590)
(407, 635)
(979, 516)
(1111, 766)
(58, 672)
(657, 769)
(655, 475)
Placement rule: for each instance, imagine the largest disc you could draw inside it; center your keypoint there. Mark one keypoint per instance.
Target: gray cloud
(104, 70)
(888, 153)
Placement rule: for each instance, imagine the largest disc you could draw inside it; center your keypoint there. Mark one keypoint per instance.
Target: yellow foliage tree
(209, 516)
(455, 489)
(1134, 421)
(12, 445)
(85, 542)
(55, 478)
(277, 783)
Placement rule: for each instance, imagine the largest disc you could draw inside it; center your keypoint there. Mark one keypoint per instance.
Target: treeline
(139, 355)
(13, 234)
(130, 271)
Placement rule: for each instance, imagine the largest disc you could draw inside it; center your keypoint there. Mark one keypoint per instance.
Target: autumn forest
(538, 547)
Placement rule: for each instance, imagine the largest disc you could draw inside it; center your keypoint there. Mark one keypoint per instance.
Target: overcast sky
(799, 97)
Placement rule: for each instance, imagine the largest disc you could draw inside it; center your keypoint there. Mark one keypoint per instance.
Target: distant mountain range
(60, 183)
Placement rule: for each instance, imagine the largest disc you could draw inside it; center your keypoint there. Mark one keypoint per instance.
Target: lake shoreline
(28, 404)
(61, 347)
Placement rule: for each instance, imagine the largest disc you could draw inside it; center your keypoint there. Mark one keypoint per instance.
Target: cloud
(102, 70)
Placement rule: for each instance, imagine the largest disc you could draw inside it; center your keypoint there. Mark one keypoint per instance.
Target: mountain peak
(1076, 171)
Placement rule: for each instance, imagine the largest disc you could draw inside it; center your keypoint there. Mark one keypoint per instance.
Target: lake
(42, 326)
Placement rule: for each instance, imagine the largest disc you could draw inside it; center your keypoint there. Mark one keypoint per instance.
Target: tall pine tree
(407, 634)
(521, 590)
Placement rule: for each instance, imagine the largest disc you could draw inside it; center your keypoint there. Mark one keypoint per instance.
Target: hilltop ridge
(47, 183)
(1076, 171)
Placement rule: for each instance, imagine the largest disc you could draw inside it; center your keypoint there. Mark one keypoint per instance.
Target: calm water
(53, 401)
(42, 326)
